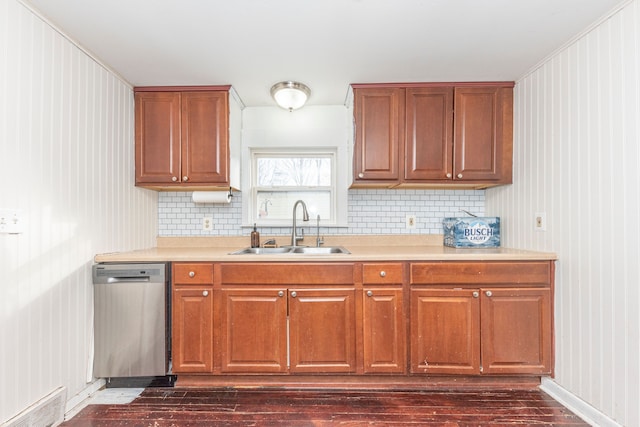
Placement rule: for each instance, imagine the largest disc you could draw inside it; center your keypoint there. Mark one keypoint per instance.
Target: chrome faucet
(319, 240)
(305, 217)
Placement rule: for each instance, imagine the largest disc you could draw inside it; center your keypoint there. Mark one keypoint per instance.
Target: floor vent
(47, 412)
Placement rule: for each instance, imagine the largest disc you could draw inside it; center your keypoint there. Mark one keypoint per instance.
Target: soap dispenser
(255, 237)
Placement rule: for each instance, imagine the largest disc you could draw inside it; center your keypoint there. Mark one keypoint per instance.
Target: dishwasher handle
(128, 279)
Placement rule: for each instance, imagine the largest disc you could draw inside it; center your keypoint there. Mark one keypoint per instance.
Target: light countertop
(362, 248)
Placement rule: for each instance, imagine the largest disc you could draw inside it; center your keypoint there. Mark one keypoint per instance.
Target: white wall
(66, 161)
(577, 158)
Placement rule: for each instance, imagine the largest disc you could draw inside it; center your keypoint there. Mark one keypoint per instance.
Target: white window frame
(324, 152)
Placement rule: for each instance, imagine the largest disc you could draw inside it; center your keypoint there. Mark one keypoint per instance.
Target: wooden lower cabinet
(192, 318)
(445, 331)
(502, 327)
(323, 330)
(253, 330)
(395, 318)
(192, 329)
(384, 331)
(516, 331)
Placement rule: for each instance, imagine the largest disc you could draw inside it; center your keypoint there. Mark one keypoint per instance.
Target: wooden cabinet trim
(470, 273)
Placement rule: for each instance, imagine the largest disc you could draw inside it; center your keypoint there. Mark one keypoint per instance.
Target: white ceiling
(326, 44)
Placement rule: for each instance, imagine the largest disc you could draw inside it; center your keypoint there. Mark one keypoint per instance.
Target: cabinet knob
(449, 175)
(476, 294)
(192, 274)
(383, 273)
(488, 293)
(205, 293)
(280, 294)
(185, 178)
(360, 175)
(459, 175)
(369, 293)
(174, 178)
(294, 294)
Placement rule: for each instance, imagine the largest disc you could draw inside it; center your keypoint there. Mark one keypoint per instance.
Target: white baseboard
(79, 401)
(577, 405)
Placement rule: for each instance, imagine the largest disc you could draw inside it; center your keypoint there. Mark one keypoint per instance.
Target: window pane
(274, 205)
(293, 171)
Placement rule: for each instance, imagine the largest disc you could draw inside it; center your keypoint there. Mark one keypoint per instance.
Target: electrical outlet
(540, 221)
(11, 221)
(411, 221)
(207, 223)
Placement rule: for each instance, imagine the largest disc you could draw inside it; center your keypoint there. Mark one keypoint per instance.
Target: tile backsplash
(376, 211)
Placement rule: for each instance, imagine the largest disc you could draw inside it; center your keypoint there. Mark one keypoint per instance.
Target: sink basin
(305, 250)
(320, 250)
(261, 251)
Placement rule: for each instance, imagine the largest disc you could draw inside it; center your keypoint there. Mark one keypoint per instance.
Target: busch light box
(472, 232)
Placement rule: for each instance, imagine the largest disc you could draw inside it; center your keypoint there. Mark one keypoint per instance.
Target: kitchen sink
(304, 250)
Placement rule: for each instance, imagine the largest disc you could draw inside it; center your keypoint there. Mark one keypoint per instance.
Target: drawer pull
(476, 294)
(294, 294)
(369, 293)
(488, 293)
(192, 274)
(280, 294)
(205, 293)
(383, 273)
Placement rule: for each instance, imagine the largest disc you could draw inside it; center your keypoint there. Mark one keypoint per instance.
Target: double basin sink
(291, 250)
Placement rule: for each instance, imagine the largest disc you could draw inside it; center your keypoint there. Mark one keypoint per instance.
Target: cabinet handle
(360, 175)
(449, 175)
(383, 273)
(476, 294)
(369, 293)
(280, 294)
(192, 274)
(488, 293)
(185, 178)
(174, 178)
(205, 293)
(459, 175)
(294, 294)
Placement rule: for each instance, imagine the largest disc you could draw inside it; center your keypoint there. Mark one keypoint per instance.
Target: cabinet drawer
(508, 273)
(192, 274)
(287, 274)
(382, 274)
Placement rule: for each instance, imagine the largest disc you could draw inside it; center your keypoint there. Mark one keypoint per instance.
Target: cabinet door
(205, 144)
(516, 331)
(428, 134)
(483, 134)
(445, 331)
(157, 123)
(192, 329)
(384, 331)
(254, 330)
(379, 115)
(322, 330)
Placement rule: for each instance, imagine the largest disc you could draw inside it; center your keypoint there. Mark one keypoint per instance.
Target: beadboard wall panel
(576, 157)
(66, 162)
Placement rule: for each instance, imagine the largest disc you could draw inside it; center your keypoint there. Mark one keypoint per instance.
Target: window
(279, 178)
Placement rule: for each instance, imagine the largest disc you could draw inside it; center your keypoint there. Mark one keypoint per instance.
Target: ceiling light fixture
(290, 95)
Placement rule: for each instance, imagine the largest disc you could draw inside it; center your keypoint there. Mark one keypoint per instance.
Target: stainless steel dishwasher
(131, 303)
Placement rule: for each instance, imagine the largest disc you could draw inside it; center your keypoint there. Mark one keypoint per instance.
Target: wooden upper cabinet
(182, 138)
(483, 134)
(205, 147)
(379, 133)
(429, 124)
(157, 119)
(433, 134)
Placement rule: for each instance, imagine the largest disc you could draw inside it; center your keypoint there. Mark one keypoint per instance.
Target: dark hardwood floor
(196, 407)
